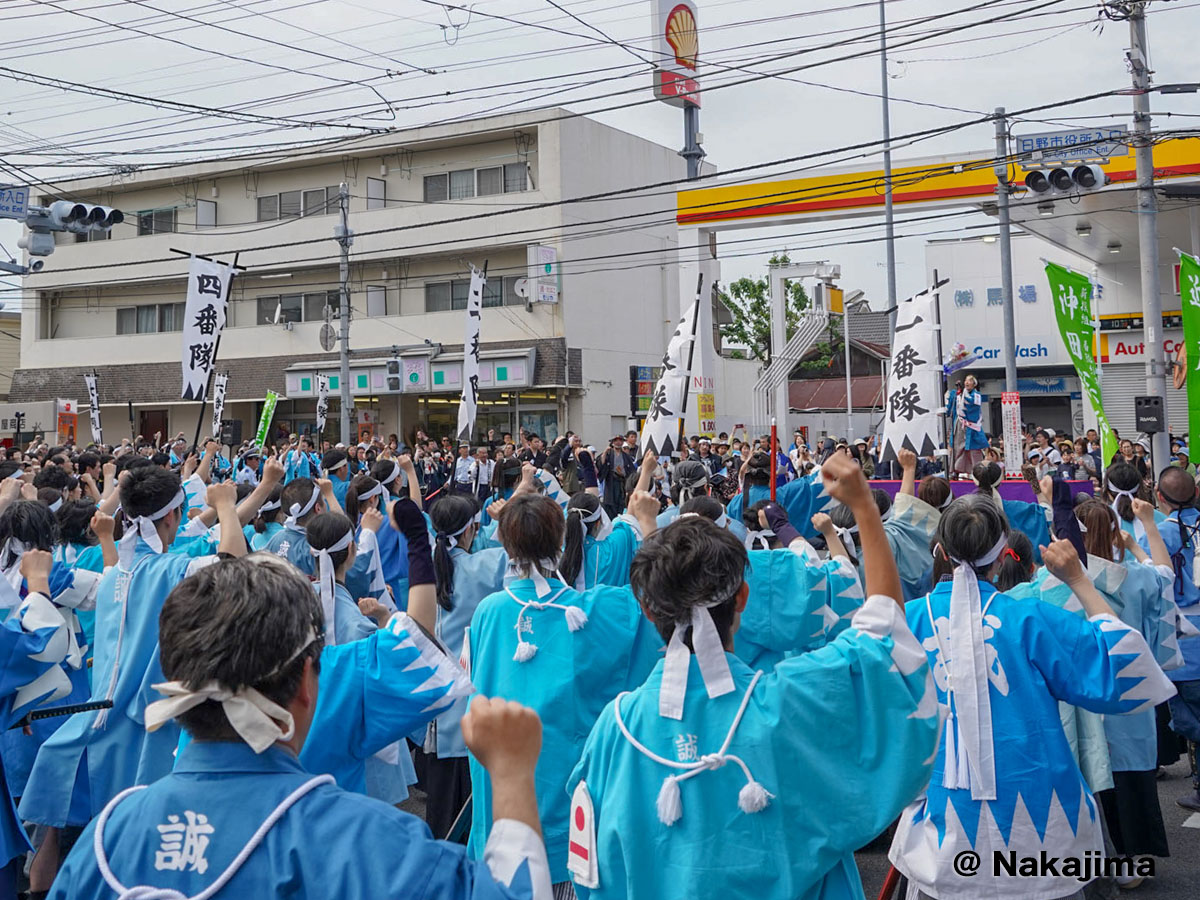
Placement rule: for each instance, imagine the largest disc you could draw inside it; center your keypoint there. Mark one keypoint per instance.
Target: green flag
(264, 421)
(1189, 290)
(1072, 295)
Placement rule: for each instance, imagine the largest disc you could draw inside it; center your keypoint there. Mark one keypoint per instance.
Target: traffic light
(1064, 179)
(394, 384)
(80, 218)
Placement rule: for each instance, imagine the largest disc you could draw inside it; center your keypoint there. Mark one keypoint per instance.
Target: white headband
(758, 539)
(144, 527)
(334, 468)
(391, 477)
(454, 534)
(298, 512)
(1139, 530)
(255, 718)
(56, 505)
(12, 572)
(17, 474)
(325, 579)
(269, 506)
(368, 494)
(710, 656)
(970, 751)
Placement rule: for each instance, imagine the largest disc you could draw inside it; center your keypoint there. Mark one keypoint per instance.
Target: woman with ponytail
(1123, 485)
(269, 521)
(563, 652)
(463, 577)
(1031, 518)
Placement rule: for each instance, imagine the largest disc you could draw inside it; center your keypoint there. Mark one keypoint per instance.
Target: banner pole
(774, 456)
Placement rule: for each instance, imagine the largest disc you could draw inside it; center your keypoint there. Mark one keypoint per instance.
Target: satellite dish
(328, 337)
(522, 288)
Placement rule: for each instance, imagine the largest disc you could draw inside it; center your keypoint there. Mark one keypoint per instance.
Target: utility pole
(692, 151)
(344, 237)
(888, 215)
(1156, 384)
(849, 383)
(1006, 277)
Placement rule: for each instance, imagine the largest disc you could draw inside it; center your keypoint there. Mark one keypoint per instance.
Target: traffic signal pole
(1006, 276)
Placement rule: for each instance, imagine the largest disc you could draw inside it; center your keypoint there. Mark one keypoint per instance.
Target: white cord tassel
(670, 806)
(753, 797)
(525, 651)
(576, 618)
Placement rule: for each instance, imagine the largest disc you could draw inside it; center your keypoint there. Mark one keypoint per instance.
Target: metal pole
(779, 283)
(846, 345)
(692, 151)
(345, 237)
(1156, 384)
(1006, 276)
(889, 222)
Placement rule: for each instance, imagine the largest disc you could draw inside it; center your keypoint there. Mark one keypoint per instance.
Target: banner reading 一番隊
(1072, 296)
(1189, 293)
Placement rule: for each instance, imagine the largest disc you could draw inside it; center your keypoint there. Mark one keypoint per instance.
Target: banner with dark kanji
(914, 381)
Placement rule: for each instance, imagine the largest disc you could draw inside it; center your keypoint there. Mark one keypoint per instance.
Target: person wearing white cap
(247, 466)
(110, 746)
(714, 780)
(563, 652)
(1004, 778)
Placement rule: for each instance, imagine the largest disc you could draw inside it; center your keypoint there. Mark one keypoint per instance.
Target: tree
(748, 301)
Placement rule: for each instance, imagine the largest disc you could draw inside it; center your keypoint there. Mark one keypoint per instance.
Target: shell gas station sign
(678, 51)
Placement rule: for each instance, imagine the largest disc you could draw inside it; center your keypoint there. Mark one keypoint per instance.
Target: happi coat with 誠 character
(96, 754)
(840, 738)
(1036, 654)
(568, 680)
(184, 831)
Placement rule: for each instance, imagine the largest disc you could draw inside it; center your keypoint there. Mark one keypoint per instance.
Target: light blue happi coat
(94, 755)
(1140, 596)
(801, 497)
(1035, 655)
(1030, 518)
(222, 792)
(260, 539)
(365, 578)
(1182, 549)
(569, 679)
(840, 738)
(301, 465)
(70, 591)
(797, 603)
(607, 560)
(374, 690)
(909, 529)
(33, 643)
(732, 523)
(84, 558)
(341, 486)
(477, 574)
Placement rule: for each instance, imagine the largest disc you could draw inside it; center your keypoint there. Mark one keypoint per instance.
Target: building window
(156, 221)
(516, 178)
(206, 214)
(486, 182)
(92, 236)
(443, 296)
(376, 193)
(150, 318)
(291, 204)
(308, 307)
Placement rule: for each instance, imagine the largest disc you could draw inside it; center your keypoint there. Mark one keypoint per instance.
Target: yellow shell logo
(682, 36)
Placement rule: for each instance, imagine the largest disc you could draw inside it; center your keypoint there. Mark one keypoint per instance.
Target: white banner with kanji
(94, 408)
(203, 319)
(220, 383)
(914, 382)
(322, 401)
(469, 401)
(663, 427)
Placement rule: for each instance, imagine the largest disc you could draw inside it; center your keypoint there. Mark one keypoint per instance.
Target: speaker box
(1148, 413)
(231, 432)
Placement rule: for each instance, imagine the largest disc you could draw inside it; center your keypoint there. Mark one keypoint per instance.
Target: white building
(424, 205)
(1049, 388)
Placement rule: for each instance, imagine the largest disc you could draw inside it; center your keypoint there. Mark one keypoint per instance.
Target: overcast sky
(325, 60)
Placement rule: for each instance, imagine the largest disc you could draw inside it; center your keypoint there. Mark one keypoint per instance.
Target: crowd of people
(607, 674)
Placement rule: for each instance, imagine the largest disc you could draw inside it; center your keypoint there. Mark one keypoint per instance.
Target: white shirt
(462, 469)
(481, 472)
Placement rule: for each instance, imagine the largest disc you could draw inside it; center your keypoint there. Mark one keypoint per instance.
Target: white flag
(204, 317)
(322, 401)
(94, 408)
(914, 382)
(664, 420)
(220, 382)
(469, 400)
